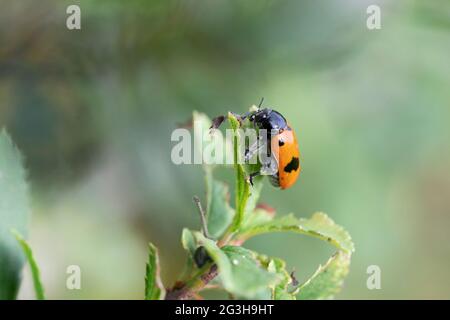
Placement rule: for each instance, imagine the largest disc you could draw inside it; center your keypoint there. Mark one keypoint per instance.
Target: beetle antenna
(260, 103)
(202, 217)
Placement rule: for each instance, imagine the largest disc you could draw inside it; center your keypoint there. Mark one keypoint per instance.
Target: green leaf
(281, 290)
(38, 288)
(319, 226)
(154, 289)
(14, 214)
(189, 244)
(325, 228)
(327, 280)
(239, 270)
(248, 275)
(242, 186)
(208, 145)
(188, 241)
(201, 124)
(219, 214)
(255, 192)
(258, 217)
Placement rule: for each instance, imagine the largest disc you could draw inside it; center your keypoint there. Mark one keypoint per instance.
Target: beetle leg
(253, 149)
(270, 167)
(241, 117)
(251, 176)
(260, 103)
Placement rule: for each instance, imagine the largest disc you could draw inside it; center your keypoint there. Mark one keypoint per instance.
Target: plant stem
(194, 285)
(202, 217)
(242, 186)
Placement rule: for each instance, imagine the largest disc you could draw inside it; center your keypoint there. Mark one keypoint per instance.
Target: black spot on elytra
(292, 165)
(280, 142)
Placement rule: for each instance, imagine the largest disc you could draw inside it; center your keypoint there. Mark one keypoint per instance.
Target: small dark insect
(295, 282)
(201, 257)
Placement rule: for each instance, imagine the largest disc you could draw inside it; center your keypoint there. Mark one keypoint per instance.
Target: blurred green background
(92, 111)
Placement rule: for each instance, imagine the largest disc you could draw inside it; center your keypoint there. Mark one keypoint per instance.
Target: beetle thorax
(269, 119)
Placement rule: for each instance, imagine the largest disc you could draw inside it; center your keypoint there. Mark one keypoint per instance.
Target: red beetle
(283, 145)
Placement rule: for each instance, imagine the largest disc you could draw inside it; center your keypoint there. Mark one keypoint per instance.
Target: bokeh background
(92, 111)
